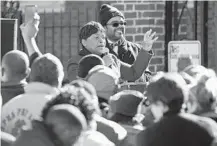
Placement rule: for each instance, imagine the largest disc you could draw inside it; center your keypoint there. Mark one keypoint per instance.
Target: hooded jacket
(127, 72)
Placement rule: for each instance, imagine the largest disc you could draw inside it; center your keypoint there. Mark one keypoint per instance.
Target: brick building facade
(59, 31)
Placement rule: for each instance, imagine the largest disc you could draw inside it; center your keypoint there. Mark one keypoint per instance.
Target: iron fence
(59, 32)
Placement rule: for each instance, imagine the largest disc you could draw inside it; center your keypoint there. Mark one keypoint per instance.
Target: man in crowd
(114, 23)
(204, 94)
(80, 98)
(125, 110)
(15, 70)
(92, 38)
(62, 125)
(45, 78)
(6, 139)
(167, 93)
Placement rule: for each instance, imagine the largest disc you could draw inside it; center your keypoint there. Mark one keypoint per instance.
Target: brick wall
(142, 16)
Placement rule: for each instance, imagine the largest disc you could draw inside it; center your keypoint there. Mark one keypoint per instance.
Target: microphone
(104, 54)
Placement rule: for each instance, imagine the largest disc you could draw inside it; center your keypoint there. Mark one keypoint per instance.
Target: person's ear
(28, 72)
(105, 27)
(84, 42)
(2, 71)
(164, 107)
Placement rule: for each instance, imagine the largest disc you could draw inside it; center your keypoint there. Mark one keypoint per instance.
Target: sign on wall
(183, 49)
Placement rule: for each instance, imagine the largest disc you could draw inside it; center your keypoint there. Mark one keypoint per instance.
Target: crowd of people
(95, 108)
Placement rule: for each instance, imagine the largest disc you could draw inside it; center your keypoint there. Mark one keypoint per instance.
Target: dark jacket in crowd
(10, 91)
(179, 130)
(127, 51)
(37, 135)
(125, 74)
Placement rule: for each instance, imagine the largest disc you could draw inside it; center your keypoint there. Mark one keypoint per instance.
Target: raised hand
(149, 39)
(30, 29)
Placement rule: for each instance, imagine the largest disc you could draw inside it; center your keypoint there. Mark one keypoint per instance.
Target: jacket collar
(84, 52)
(38, 87)
(121, 41)
(122, 45)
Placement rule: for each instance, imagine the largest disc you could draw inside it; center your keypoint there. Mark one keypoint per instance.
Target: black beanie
(107, 12)
(87, 63)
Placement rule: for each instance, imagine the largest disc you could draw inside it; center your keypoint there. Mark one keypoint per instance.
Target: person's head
(87, 63)
(113, 21)
(47, 69)
(167, 92)
(92, 38)
(75, 96)
(90, 90)
(126, 103)
(195, 71)
(15, 66)
(66, 122)
(105, 81)
(195, 76)
(205, 93)
(183, 62)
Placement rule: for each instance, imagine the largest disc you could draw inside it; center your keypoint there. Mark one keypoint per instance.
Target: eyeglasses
(116, 24)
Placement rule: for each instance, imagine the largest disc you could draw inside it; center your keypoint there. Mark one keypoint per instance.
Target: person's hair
(89, 29)
(75, 96)
(84, 84)
(169, 88)
(16, 63)
(195, 70)
(206, 93)
(90, 90)
(47, 69)
(87, 63)
(71, 115)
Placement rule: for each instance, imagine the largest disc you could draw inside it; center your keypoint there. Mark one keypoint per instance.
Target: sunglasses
(116, 24)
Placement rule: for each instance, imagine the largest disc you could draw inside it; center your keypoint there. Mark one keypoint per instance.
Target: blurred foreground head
(67, 122)
(167, 92)
(77, 97)
(105, 81)
(15, 66)
(47, 69)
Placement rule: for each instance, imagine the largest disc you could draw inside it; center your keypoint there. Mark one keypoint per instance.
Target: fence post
(78, 30)
(168, 29)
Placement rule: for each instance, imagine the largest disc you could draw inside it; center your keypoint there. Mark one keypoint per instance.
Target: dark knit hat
(126, 102)
(87, 63)
(107, 12)
(90, 28)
